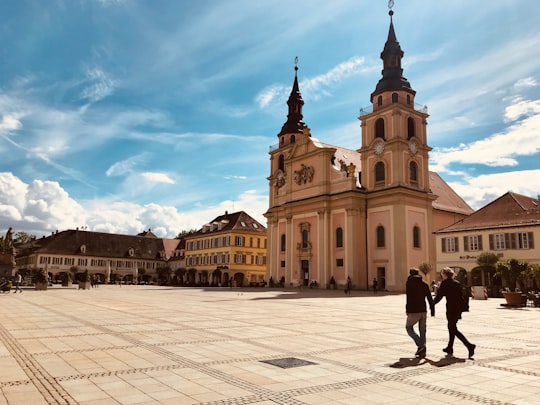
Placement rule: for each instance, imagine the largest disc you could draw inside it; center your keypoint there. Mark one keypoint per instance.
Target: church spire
(294, 123)
(392, 72)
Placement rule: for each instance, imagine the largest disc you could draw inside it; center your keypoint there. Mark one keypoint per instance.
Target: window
(394, 97)
(472, 243)
(380, 236)
(379, 101)
(239, 241)
(379, 173)
(293, 139)
(339, 262)
(413, 172)
(282, 263)
(450, 244)
(239, 258)
(410, 128)
(522, 239)
(379, 128)
(261, 260)
(339, 237)
(283, 242)
(305, 243)
(416, 237)
(497, 241)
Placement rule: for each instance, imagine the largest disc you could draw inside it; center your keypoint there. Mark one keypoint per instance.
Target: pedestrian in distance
(348, 286)
(418, 292)
(375, 285)
(18, 281)
(455, 306)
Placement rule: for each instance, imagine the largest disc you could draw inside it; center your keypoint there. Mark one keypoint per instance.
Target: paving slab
(261, 346)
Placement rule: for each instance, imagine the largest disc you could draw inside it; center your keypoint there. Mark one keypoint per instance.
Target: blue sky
(125, 115)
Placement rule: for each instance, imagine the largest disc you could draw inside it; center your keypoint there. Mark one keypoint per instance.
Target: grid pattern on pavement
(162, 345)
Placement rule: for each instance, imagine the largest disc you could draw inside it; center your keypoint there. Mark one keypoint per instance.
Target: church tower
(395, 172)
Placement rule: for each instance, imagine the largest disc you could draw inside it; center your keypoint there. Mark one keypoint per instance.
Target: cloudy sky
(125, 115)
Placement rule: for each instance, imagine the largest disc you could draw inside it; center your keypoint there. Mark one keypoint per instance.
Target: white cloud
(502, 149)
(100, 85)
(10, 122)
(157, 178)
(127, 166)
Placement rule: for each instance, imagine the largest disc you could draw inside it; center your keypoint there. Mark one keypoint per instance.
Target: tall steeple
(295, 123)
(392, 72)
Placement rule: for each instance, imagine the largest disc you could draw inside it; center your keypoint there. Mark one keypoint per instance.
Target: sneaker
(471, 351)
(448, 350)
(421, 352)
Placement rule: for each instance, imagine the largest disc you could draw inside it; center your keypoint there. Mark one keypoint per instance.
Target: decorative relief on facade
(280, 179)
(304, 175)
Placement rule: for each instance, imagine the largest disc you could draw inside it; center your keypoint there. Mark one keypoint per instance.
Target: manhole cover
(288, 362)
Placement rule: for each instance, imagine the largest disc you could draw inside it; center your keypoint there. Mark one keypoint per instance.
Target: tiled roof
(447, 198)
(237, 221)
(509, 210)
(98, 244)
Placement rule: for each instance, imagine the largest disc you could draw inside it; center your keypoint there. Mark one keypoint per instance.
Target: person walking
(375, 285)
(18, 281)
(451, 289)
(348, 286)
(417, 292)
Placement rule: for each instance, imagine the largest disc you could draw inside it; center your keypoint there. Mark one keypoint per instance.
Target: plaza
(162, 345)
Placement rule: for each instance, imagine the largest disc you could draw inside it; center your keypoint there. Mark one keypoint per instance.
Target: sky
(126, 115)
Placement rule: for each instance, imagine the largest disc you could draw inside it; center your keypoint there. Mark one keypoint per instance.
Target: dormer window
(82, 249)
(131, 252)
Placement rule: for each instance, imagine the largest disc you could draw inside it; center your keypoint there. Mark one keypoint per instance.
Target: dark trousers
(453, 331)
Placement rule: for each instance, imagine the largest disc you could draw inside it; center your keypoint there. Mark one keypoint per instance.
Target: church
(368, 214)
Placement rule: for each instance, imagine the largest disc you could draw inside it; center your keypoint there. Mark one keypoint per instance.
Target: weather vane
(296, 63)
(390, 4)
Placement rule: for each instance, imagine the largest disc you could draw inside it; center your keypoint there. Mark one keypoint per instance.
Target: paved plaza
(164, 345)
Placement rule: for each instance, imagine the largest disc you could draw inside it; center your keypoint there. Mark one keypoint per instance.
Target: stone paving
(162, 345)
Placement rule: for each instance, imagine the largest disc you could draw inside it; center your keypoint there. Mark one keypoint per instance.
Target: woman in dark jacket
(451, 289)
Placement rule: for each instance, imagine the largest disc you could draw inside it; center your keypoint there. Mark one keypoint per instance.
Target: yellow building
(368, 213)
(507, 227)
(230, 249)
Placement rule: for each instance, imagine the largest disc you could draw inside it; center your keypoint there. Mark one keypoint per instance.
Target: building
(507, 227)
(229, 249)
(368, 213)
(111, 257)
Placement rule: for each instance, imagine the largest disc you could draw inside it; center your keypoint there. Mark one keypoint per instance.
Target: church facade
(368, 213)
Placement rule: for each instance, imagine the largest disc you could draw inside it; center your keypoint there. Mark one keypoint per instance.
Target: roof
(509, 210)
(99, 244)
(237, 221)
(447, 198)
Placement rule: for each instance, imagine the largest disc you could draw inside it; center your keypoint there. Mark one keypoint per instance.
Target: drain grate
(288, 362)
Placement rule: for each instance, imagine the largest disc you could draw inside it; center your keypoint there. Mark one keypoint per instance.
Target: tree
(487, 259)
(183, 233)
(22, 238)
(425, 268)
(164, 274)
(514, 271)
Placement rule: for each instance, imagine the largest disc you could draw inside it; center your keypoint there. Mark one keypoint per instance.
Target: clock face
(413, 147)
(378, 148)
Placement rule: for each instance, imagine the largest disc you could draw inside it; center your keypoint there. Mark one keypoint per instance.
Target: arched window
(281, 163)
(293, 139)
(380, 236)
(416, 237)
(339, 237)
(379, 172)
(413, 172)
(379, 101)
(379, 128)
(282, 140)
(283, 243)
(305, 243)
(408, 99)
(411, 130)
(394, 97)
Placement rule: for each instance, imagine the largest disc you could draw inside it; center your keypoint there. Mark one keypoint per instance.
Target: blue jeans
(420, 319)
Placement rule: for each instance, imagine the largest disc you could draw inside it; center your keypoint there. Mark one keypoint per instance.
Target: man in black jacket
(417, 293)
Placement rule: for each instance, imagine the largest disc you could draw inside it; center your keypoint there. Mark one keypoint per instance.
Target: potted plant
(39, 279)
(84, 282)
(66, 279)
(512, 272)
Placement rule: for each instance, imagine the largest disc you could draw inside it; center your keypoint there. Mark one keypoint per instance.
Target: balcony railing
(371, 108)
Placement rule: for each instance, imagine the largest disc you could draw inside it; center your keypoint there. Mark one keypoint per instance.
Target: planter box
(84, 285)
(66, 283)
(41, 286)
(515, 299)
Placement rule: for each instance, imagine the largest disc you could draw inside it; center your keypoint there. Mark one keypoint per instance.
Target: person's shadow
(409, 362)
(418, 361)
